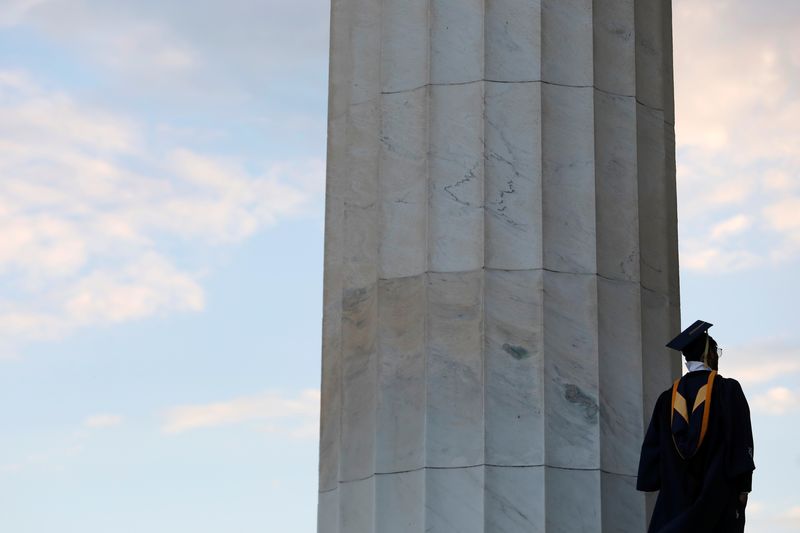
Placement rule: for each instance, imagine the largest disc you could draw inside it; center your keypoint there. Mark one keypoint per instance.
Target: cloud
(102, 421)
(701, 256)
(215, 51)
(731, 226)
(112, 35)
(777, 401)
(749, 365)
(738, 128)
(766, 516)
(791, 516)
(14, 11)
(755, 507)
(90, 212)
(765, 370)
(784, 216)
(296, 417)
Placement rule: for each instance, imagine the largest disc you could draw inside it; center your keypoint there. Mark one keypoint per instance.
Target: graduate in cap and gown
(698, 450)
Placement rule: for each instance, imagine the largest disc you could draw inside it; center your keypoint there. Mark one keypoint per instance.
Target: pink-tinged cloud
(738, 129)
(84, 235)
(777, 401)
(291, 415)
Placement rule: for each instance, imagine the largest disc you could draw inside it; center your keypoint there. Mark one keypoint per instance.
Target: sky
(161, 213)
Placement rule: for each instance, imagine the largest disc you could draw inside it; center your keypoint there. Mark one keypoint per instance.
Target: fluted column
(500, 263)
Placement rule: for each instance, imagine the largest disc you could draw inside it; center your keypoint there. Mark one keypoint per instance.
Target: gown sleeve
(739, 460)
(649, 478)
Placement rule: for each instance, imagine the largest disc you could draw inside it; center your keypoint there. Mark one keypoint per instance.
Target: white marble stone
(616, 187)
(671, 212)
(400, 436)
(358, 296)
(513, 40)
(572, 501)
(567, 46)
(357, 506)
(513, 167)
(339, 78)
(514, 500)
(332, 310)
(623, 508)
(660, 365)
(572, 413)
(454, 500)
(514, 364)
(405, 41)
(331, 393)
(615, 47)
(654, 247)
(359, 362)
(360, 187)
(336, 185)
(403, 184)
(651, 38)
(620, 388)
(650, 505)
(365, 47)
(455, 217)
(455, 430)
(568, 182)
(328, 512)
(668, 85)
(456, 52)
(400, 502)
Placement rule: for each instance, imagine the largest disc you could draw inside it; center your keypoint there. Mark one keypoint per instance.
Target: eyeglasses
(719, 352)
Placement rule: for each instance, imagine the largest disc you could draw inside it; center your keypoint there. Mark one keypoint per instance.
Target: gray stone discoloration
(574, 394)
(517, 352)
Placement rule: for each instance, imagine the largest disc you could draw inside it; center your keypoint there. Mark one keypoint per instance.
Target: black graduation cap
(696, 331)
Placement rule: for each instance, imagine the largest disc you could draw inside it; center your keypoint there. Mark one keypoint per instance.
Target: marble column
(501, 267)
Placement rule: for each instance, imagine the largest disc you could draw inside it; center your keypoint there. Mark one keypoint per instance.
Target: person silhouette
(698, 449)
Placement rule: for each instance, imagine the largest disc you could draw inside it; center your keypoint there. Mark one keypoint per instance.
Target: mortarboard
(694, 332)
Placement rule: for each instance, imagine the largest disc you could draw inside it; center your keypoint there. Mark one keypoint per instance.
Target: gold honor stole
(686, 425)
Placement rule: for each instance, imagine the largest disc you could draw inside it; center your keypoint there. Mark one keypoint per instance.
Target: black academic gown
(701, 493)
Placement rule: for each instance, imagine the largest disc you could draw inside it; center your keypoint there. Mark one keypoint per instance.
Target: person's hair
(694, 351)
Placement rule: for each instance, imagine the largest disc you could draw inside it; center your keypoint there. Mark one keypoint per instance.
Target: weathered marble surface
(501, 266)
(400, 502)
(513, 177)
(514, 499)
(514, 408)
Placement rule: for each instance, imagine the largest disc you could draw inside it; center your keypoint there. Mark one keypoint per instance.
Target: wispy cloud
(752, 367)
(160, 47)
(294, 416)
(14, 11)
(772, 516)
(777, 401)
(112, 35)
(793, 514)
(87, 207)
(738, 128)
(765, 371)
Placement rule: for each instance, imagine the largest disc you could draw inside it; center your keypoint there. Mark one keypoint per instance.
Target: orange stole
(679, 406)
